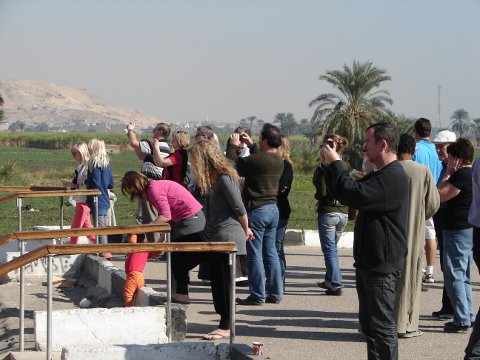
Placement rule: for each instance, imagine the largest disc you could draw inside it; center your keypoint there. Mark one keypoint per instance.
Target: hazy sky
(226, 60)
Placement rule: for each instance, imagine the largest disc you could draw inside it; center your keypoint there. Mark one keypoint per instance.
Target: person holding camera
(332, 219)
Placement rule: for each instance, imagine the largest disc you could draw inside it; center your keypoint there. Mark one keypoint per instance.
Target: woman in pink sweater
(176, 206)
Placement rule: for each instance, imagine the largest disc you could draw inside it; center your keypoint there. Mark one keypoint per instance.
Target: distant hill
(65, 108)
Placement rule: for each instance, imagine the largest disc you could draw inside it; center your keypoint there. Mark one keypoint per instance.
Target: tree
(461, 121)
(476, 130)
(17, 126)
(310, 128)
(359, 103)
(2, 115)
(260, 123)
(251, 120)
(287, 123)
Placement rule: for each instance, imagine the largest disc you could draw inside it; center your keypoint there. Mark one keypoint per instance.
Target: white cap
(444, 137)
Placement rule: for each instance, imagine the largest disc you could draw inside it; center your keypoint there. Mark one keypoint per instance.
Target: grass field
(33, 166)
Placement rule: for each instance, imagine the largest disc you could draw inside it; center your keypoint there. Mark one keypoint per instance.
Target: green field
(33, 166)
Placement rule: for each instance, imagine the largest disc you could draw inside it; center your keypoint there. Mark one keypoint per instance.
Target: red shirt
(177, 165)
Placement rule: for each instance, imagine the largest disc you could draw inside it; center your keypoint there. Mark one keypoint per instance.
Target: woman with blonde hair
(99, 177)
(226, 220)
(284, 210)
(332, 219)
(176, 164)
(81, 219)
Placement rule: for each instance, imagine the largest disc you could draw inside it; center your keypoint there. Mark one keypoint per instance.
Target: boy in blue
(426, 154)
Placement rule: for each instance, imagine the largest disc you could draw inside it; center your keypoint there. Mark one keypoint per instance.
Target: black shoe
(272, 300)
(450, 327)
(242, 283)
(337, 292)
(249, 302)
(323, 285)
(442, 315)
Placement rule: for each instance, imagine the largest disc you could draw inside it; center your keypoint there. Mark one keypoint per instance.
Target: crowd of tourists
(411, 195)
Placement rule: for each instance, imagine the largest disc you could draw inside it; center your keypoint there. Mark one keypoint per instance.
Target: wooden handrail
(30, 188)
(60, 233)
(25, 193)
(227, 247)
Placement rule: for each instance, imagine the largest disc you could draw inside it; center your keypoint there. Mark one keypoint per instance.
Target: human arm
(285, 183)
(243, 220)
(432, 198)
(158, 158)
(132, 139)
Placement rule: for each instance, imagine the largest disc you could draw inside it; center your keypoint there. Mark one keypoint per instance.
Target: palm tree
(461, 121)
(1, 110)
(251, 120)
(287, 123)
(476, 130)
(359, 104)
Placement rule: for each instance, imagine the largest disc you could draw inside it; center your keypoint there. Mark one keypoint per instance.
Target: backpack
(149, 169)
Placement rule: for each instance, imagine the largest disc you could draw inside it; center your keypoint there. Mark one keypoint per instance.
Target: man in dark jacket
(380, 238)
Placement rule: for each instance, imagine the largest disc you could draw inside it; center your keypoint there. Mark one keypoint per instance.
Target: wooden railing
(68, 249)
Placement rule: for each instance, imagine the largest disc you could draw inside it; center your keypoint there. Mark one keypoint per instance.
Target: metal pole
(21, 247)
(232, 263)
(61, 212)
(169, 292)
(95, 219)
(49, 306)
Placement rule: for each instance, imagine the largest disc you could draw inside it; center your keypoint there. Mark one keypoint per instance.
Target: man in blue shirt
(426, 154)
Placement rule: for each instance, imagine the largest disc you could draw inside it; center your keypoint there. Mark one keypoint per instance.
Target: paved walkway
(306, 325)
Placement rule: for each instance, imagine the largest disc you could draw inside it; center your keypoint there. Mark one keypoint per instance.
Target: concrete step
(32, 355)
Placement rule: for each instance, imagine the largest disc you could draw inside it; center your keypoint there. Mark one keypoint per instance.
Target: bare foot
(217, 334)
(181, 298)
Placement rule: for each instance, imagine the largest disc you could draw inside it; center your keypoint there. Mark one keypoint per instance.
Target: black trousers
(183, 262)
(376, 300)
(472, 351)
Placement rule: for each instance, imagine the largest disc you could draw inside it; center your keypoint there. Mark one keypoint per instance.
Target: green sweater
(262, 173)
(326, 202)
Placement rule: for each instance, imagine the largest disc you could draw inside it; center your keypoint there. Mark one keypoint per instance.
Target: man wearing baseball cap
(441, 141)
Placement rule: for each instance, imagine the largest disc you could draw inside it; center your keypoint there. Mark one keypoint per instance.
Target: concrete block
(293, 237)
(118, 283)
(183, 351)
(92, 328)
(65, 265)
(346, 240)
(311, 238)
(105, 274)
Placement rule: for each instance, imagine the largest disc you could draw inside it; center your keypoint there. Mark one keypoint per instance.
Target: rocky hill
(65, 108)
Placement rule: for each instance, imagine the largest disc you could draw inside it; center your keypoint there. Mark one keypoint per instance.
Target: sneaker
(428, 278)
(336, 292)
(272, 300)
(450, 327)
(410, 334)
(442, 315)
(249, 302)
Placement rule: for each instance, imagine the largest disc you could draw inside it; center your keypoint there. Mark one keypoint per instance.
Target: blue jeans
(264, 274)
(376, 302)
(330, 228)
(457, 257)
(280, 237)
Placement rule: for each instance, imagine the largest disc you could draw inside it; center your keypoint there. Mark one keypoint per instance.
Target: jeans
(330, 228)
(280, 237)
(264, 274)
(472, 351)
(376, 301)
(457, 257)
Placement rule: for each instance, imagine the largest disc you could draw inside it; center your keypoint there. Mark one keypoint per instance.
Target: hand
(453, 164)
(328, 154)
(235, 139)
(65, 182)
(130, 126)
(246, 139)
(249, 234)
(156, 144)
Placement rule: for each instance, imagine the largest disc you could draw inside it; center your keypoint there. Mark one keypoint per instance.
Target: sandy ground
(306, 325)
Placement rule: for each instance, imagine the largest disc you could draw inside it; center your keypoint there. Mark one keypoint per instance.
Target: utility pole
(438, 108)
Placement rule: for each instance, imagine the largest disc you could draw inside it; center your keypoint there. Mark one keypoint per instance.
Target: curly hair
(208, 164)
(340, 141)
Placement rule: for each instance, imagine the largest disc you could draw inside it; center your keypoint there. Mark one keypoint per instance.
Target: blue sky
(225, 60)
